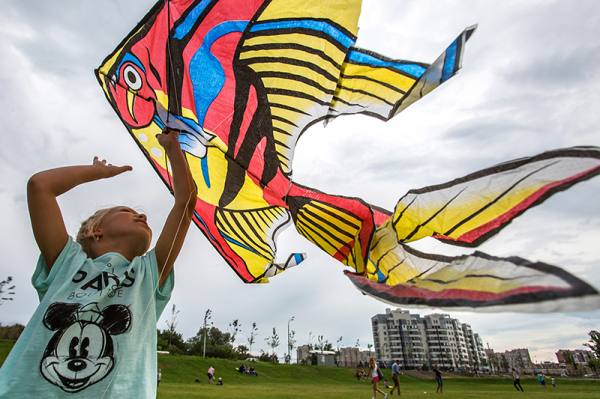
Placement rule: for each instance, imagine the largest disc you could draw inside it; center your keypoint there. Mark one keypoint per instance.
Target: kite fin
(401, 275)
(252, 234)
(296, 58)
(340, 226)
(469, 210)
(276, 268)
(381, 87)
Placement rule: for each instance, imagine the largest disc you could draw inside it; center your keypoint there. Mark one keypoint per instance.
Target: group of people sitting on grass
(247, 370)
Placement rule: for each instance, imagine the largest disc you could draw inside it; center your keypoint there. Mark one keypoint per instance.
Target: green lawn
(283, 382)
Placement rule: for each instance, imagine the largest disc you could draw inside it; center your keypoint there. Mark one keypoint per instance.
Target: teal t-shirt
(94, 333)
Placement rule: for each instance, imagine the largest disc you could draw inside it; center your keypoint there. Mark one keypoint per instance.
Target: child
(94, 333)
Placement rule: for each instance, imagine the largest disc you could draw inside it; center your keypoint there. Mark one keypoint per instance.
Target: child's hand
(169, 139)
(109, 170)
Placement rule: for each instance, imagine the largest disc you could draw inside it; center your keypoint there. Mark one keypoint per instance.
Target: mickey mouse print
(81, 351)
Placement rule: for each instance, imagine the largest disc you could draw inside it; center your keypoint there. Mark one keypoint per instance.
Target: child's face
(125, 223)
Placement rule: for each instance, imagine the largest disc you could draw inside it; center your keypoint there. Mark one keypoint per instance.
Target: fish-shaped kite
(242, 80)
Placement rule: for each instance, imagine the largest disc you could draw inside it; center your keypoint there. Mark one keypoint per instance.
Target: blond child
(93, 334)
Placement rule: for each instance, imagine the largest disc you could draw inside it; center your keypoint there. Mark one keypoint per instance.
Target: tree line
(213, 342)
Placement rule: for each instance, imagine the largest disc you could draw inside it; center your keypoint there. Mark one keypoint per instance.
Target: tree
(172, 323)
(273, 341)
(6, 290)
(265, 357)
(252, 337)
(321, 342)
(594, 365)
(242, 351)
(235, 327)
(171, 341)
(11, 332)
(594, 342)
(211, 342)
(338, 343)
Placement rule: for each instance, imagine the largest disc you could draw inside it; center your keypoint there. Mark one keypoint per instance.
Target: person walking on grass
(439, 381)
(395, 377)
(376, 376)
(210, 374)
(517, 380)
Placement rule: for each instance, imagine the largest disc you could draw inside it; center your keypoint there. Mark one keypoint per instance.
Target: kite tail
(341, 226)
(401, 275)
(469, 210)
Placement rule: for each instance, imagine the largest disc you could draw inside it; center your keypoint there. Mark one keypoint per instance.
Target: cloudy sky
(531, 82)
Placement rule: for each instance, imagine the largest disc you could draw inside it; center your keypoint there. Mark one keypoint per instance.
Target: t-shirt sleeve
(68, 262)
(162, 294)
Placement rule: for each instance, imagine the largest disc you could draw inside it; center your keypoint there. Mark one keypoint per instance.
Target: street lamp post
(289, 359)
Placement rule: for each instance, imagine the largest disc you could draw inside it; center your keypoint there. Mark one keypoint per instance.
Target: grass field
(294, 382)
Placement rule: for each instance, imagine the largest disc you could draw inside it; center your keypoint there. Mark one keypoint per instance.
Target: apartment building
(435, 340)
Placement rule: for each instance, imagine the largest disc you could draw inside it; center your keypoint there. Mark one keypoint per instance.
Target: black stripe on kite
(256, 245)
(284, 120)
(303, 79)
(336, 98)
(367, 94)
(293, 46)
(309, 32)
(262, 243)
(280, 130)
(291, 61)
(328, 21)
(405, 208)
(418, 227)
(319, 206)
(504, 193)
(293, 93)
(316, 228)
(281, 144)
(289, 108)
(389, 86)
(308, 212)
(245, 238)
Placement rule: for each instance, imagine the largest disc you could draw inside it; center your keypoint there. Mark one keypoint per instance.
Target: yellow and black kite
(244, 79)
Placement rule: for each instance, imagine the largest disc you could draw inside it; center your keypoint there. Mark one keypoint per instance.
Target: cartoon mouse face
(81, 351)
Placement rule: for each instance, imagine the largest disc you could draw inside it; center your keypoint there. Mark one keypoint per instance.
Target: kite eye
(132, 77)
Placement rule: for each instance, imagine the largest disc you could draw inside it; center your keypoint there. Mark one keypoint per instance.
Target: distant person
(439, 381)
(376, 376)
(517, 380)
(395, 377)
(242, 369)
(158, 377)
(210, 374)
(219, 381)
(553, 382)
(542, 380)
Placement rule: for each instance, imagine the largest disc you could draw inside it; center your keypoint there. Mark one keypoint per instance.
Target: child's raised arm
(173, 233)
(43, 188)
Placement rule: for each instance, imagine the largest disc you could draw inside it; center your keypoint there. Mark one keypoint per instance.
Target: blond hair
(85, 235)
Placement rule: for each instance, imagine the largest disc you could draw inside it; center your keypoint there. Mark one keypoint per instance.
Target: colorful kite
(244, 79)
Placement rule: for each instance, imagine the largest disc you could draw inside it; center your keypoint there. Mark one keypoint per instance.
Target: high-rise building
(435, 340)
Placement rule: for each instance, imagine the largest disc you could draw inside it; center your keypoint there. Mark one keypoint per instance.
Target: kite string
(184, 214)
